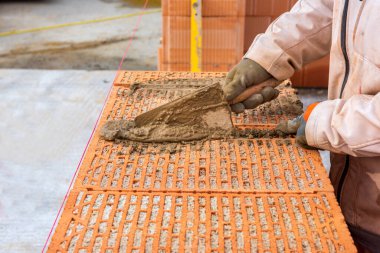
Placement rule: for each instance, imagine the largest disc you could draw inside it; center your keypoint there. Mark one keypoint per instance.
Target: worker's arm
(349, 126)
(295, 39)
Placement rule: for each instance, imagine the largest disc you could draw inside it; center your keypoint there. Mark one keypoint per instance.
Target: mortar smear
(204, 114)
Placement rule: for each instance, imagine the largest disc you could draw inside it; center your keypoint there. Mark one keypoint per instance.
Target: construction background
(58, 60)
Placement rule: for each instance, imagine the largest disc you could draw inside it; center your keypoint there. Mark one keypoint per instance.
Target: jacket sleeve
(349, 126)
(295, 39)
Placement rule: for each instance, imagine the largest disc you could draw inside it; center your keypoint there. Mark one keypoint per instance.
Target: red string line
(136, 27)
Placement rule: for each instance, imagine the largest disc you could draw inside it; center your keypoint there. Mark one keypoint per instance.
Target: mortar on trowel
(203, 114)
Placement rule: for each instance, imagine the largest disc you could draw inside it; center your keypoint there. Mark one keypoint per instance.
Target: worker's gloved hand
(298, 126)
(244, 75)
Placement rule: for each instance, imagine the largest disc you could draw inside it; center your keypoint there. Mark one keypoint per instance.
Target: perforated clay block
(267, 165)
(138, 92)
(233, 195)
(114, 221)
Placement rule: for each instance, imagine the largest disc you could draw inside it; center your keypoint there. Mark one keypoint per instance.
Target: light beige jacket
(348, 124)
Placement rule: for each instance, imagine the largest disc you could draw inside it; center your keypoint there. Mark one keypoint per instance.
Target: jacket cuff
(316, 124)
(270, 56)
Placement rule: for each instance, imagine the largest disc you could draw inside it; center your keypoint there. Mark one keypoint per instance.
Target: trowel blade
(207, 105)
(204, 113)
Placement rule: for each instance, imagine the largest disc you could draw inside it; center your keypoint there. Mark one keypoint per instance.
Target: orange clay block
(216, 67)
(210, 8)
(235, 195)
(315, 75)
(272, 8)
(127, 221)
(240, 165)
(223, 40)
(253, 27)
(160, 60)
(162, 89)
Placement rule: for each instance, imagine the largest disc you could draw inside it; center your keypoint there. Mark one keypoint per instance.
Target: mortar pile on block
(246, 193)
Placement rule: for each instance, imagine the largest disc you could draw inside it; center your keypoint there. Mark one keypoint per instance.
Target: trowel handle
(255, 89)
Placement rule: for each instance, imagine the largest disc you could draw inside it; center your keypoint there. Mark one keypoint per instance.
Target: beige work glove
(298, 126)
(242, 76)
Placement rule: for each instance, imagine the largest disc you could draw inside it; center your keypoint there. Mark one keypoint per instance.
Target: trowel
(202, 114)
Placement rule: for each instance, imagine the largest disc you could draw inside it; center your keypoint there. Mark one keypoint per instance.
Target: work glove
(242, 76)
(298, 126)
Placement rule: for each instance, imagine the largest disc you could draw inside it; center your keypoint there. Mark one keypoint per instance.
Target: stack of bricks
(229, 28)
(222, 29)
(232, 195)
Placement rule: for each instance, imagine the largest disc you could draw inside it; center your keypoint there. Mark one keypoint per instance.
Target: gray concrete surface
(91, 47)
(46, 119)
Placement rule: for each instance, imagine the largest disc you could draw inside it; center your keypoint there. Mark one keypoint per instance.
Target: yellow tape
(196, 36)
(85, 22)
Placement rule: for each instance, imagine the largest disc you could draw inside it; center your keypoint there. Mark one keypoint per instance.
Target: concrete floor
(96, 46)
(48, 115)
(47, 118)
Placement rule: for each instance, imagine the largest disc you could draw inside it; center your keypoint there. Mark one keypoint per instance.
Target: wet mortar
(183, 119)
(204, 114)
